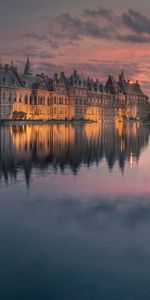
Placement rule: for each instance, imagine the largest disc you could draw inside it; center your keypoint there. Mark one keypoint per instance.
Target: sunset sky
(95, 37)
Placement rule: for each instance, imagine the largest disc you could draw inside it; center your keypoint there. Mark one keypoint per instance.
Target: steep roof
(111, 84)
(122, 76)
(35, 82)
(28, 70)
(9, 76)
(129, 87)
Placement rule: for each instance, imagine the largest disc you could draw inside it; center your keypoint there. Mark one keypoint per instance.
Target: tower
(121, 76)
(27, 70)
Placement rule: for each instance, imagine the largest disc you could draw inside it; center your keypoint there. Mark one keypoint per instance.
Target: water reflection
(75, 237)
(63, 146)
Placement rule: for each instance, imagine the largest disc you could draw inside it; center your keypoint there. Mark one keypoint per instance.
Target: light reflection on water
(75, 212)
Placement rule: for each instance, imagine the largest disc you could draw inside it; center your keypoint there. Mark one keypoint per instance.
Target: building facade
(38, 97)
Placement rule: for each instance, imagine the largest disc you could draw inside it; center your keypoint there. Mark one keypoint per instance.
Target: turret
(27, 70)
(121, 76)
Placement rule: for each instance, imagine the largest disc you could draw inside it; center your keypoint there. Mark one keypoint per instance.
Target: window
(39, 100)
(20, 98)
(60, 100)
(3, 96)
(26, 99)
(10, 97)
(15, 98)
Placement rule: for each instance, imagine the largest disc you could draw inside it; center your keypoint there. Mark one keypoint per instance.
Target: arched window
(15, 97)
(26, 99)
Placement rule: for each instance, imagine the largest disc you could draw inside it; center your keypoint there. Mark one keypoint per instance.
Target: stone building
(133, 103)
(38, 97)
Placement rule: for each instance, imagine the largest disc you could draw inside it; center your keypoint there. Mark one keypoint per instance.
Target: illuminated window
(26, 99)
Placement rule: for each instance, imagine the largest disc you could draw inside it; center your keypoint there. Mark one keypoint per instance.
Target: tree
(19, 115)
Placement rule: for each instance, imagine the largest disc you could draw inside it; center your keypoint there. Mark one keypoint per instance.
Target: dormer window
(25, 83)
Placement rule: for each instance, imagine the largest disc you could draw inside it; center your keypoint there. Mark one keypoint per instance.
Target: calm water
(75, 212)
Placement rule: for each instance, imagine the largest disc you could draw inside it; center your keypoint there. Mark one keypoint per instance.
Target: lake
(75, 212)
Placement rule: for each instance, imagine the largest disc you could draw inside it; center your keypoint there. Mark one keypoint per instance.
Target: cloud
(70, 41)
(106, 14)
(133, 38)
(66, 30)
(98, 24)
(32, 51)
(137, 22)
(100, 213)
(74, 28)
(39, 37)
(48, 68)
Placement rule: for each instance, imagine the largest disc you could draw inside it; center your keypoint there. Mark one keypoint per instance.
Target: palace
(38, 97)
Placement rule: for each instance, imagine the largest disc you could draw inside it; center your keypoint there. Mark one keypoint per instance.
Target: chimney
(6, 67)
(56, 76)
(75, 72)
(12, 64)
(62, 75)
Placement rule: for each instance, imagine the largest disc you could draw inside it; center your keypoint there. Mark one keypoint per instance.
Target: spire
(12, 64)
(121, 76)
(27, 70)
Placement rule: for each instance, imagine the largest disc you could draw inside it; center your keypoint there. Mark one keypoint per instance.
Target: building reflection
(24, 148)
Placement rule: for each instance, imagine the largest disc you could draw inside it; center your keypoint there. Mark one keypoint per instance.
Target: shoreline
(73, 122)
(44, 122)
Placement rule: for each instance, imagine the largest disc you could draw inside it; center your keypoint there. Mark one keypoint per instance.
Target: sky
(95, 37)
